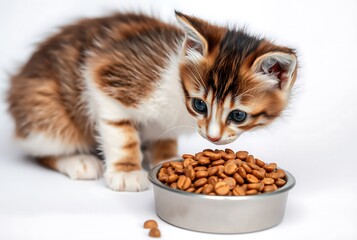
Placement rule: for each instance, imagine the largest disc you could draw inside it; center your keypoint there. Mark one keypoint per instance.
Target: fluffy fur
(126, 83)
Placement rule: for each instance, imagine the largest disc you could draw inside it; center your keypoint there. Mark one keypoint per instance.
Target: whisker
(170, 129)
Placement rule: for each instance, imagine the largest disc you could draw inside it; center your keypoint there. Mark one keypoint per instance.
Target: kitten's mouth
(219, 142)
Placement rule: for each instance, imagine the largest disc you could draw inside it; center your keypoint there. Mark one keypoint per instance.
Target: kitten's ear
(278, 68)
(195, 45)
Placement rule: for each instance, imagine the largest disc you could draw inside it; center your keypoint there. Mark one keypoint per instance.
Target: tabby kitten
(122, 82)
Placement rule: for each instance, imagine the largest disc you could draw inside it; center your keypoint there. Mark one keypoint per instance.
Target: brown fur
(163, 149)
(49, 162)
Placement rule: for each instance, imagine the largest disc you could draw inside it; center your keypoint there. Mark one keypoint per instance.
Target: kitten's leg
(121, 146)
(62, 155)
(77, 167)
(46, 128)
(163, 149)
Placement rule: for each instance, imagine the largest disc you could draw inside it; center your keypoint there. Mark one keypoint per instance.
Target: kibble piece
(270, 167)
(176, 164)
(229, 161)
(212, 155)
(281, 173)
(258, 174)
(256, 186)
(217, 162)
(187, 162)
(200, 182)
(173, 185)
(189, 172)
(220, 168)
(170, 170)
(164, 171)
(268, 181)
(253, 166)
(230, 168)
(238, 178)
(154, 232)
(199, 190)
(238, 162)
(238, 191)
(250, 159)
(221, 188)
(242, 155)
(194, 163)
(246, 167)
(179, 170)
(184, 156)
(221, 175)
(165, 165)
(229, 154)
(150, 224)
(262, 170)
(259, 162)
(200, 168)
(183, 182)
(203, 160)
(231, 182)
(198, 155)
(280, 182)
(242, 172)
(207, 188)
(172, 178)
(252, 179)
(272, 175)
(268, 188)
(212, 170)
(201, 174)
(262, 185)
(191, 189)
(162, 176)
(213, 180)
(251, 192)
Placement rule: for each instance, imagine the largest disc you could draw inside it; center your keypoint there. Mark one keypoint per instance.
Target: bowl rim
(153, 179)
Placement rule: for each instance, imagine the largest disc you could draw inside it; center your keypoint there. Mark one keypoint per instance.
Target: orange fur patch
(163, 149)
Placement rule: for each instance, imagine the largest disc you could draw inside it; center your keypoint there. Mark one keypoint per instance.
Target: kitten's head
(233, 82)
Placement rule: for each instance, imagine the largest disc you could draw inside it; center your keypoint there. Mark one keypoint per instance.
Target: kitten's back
(48, 93)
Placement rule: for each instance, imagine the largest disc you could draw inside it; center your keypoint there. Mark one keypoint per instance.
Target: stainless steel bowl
(220, 214)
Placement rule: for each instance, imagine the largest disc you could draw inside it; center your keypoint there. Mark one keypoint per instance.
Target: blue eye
(237, 116)
(199, 105)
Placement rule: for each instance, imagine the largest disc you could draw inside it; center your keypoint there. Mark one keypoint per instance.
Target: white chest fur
(164, 115)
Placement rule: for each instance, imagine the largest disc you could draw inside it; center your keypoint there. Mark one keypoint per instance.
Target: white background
(315, 140)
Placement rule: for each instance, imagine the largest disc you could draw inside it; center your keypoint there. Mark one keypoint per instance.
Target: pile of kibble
(222, 173)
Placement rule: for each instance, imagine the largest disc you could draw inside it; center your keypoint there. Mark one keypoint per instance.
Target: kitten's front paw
(134, 181)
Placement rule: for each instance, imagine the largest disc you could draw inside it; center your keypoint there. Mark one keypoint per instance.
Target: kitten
(122, 82)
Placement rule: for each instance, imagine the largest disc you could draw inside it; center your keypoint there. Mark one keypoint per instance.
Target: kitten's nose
(213, 139)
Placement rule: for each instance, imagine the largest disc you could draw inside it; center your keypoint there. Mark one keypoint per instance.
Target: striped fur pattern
(128, 84)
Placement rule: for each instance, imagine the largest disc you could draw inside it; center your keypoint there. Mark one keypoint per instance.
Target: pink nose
(213, 139)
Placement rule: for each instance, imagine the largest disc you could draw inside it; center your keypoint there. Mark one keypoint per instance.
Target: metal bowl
(220, 214)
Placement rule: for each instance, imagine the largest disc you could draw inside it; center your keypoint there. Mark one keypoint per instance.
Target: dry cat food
(222, 173)
(153, 226)
(154, 232)
(150, 224)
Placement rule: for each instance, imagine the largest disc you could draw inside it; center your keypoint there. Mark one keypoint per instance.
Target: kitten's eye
(237, 116)
(199, 105)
